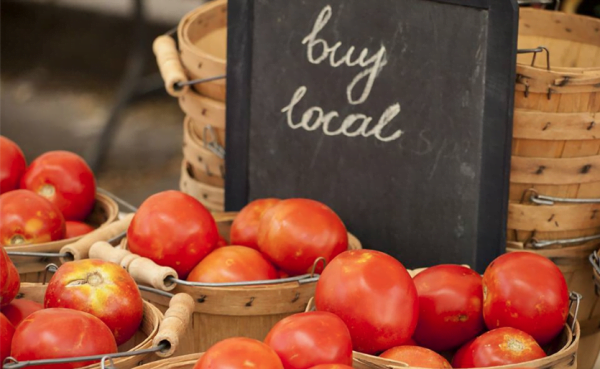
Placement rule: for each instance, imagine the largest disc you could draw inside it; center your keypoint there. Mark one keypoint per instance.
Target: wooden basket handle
(169, 64)
(173, 327)
(142, 270)
(80, 249)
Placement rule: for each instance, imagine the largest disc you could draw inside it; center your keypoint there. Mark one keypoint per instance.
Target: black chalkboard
(412, 148)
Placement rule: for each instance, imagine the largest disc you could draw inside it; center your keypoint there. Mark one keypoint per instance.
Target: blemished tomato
(296, 232)
(244, 229)
(102, 289)
(28, 218)
(331, 366)
(7, 330)
(12, 165)
(10, 281)
(415, 356)
(66, 180)
(500, 346)
(173, 229)
(75, 228)
(60, 333)
(307, 339)
(233, 264)
(526, 291)
(374, 295)
(20, 309)
(450, 306)
(239, 352)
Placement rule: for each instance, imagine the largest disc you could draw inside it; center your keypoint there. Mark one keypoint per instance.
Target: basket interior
(573, 40)
(208, 31)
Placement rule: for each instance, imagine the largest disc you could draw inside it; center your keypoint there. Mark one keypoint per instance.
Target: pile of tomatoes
(272, 238)
(366, 301)
(46, 201)
(90, 307)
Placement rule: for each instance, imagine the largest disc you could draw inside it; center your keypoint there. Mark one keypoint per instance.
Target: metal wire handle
(213, 145)
(200, 80)
(550, 200)
(537, 244)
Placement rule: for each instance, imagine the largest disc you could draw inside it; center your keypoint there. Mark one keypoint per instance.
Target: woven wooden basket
(204, 156)
(33, 269)
(207, 115)
(556, 138)
(222, 312)
(213, 197)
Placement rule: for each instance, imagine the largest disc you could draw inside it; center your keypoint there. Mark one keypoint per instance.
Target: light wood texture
(177, 319)
(171, 70)
(143, 270)
(80, 248)
(199, 155)
(32, 269)
(202, 43)
(212, 197)
(180, 362)
(148, 329)
(553, 218)
(204, 109)
(556, 138)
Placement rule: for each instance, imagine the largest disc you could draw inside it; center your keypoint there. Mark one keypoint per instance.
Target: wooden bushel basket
(155, 327)
(32, 269)
(205, 155)
(179, 362)
(556, 137)
(213, 197)
(224, 311)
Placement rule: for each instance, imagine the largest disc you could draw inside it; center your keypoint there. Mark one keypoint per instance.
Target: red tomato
(102, 289)
(450, 306)
(244, 229)
(173, 229)
(239, 352)
(331, 366)
(28, 218)
(416, 356)
(374, 295)
(75, 229)
(502, 346)
(295, 232)
(233, 264)
(6, 335)
(222, 242)
(281, 274)
(10, 282)
(307, 339)
(526, 291)
(61, 333)
(12, 165)
(20, 309)
(65, 179)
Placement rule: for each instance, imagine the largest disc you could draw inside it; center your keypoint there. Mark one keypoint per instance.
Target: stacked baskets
(202, 36)
(554, 205)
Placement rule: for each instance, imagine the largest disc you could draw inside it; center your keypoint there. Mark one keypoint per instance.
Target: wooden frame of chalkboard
(500, 20)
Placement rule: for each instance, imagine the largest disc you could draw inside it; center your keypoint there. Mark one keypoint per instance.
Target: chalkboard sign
(395, 113)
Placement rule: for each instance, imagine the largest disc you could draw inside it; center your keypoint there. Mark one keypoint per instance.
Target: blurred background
(68, 66)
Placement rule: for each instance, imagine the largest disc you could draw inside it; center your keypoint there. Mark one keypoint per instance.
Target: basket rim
(189, 18)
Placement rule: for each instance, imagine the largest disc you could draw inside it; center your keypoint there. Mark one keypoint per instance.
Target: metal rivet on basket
(201, 299)
(203, 111)
(552, 217)
(249, 303)
(297, 297)
(592, 124)
(546, 126)
(586, 169)
(540, 169)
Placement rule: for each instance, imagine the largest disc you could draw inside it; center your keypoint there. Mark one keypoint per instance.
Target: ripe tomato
(76, 229)
(416, 356)
(374, 295)
(102, 289)
(239, 352)
(244, 229)
(307, 339)
(10, 281)
(331, 366)
(60, 333)
(502, 346)
(6, 335)
(526, 291)
(173, 229)
(450, 306)
(28, 218)
(233, 264)
(295, 232)
(222, 242)
(20, 309)
(65, 179)
(12, 165)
